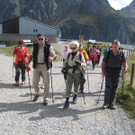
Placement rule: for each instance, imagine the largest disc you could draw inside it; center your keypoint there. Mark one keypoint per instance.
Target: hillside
(128, 11)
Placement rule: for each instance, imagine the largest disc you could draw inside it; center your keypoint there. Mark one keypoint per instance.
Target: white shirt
(40, 57)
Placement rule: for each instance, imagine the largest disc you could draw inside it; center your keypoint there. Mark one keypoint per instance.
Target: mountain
(128, 11)
(94, 19)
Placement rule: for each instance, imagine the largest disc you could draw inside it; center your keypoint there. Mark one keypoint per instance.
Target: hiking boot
(105, 106)
(81, 91)
(74, 99)
(112, 103)
(45, 102)
(36, 97)
(16, 84)
(66, 105)
(111, 106)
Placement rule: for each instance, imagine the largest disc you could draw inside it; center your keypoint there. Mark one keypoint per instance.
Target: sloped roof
(30, 20)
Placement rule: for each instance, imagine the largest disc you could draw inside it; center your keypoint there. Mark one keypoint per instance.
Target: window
(35, 30)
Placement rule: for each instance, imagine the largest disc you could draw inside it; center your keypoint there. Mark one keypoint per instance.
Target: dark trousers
(82, 81)
(20, 68)
(63, 60)
(93, 63)
(98, 59)
(110, 89)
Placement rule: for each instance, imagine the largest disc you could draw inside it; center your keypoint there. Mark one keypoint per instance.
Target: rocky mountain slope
(94, 19)
(128, 11)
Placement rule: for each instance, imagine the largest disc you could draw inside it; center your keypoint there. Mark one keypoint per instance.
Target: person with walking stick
(73, 61)
(111, 67)
(43, 54)
(21, 58)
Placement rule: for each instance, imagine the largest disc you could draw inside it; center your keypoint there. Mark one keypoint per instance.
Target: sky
(118, 4)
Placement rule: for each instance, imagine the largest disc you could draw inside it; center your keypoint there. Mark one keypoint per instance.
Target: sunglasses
(72, 48)
(40, 39)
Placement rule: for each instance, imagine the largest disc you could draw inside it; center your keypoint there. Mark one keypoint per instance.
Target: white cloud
(118, 4)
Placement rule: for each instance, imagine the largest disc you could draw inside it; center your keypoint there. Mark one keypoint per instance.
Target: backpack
(93, 52)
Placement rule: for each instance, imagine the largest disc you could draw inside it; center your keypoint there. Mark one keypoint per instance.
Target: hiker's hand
(104, 74)
(50, 59)
(125, 71)
(13, 53)
(87, 63)
(13, 49)
(27, 64)
(78, 63)
(62, 70)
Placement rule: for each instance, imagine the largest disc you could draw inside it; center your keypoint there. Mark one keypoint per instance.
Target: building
(81, 38)
(22, 28)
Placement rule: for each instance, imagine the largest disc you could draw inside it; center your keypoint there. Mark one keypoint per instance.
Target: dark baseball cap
(40, 35)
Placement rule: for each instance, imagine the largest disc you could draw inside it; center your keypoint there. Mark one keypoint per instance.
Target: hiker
(64, 53)
(107, 49)
(73, 62)
(94, 56)
(21, 58)
(111, 67)
(86, 57)
(99, 54)
(43, 55)
(88, 50)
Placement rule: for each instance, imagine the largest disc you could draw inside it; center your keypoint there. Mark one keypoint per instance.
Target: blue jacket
(105, 51)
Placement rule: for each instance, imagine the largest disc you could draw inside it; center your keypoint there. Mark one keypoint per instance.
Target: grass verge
(127, 92)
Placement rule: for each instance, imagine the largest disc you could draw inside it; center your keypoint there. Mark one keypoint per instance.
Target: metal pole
(83, 90)
(100, 89)
(88, 79)
(132, 74)
(13, 68)
(51, 83)
(29, 85)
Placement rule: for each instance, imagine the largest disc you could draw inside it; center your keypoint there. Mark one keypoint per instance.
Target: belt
(40, 63)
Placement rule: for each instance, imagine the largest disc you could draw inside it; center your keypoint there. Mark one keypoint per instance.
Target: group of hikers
(74, 66)
(89, 54)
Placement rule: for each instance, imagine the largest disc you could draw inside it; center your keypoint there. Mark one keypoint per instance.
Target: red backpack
(93, 52)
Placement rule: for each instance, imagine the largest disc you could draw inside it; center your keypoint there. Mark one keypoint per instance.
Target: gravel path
(20, 116)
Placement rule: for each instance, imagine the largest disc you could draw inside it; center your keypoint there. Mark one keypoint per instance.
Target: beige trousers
(72, 78)
(41, 68)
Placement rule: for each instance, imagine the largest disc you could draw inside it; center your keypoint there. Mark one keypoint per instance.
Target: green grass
(128, 93)
(7, 50)
(58, 55)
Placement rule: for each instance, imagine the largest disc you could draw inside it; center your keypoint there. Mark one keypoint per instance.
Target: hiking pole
(29, 85)
(51, 83)
(88, 79)
(82, 91)
(13, 68)
(101, 89)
